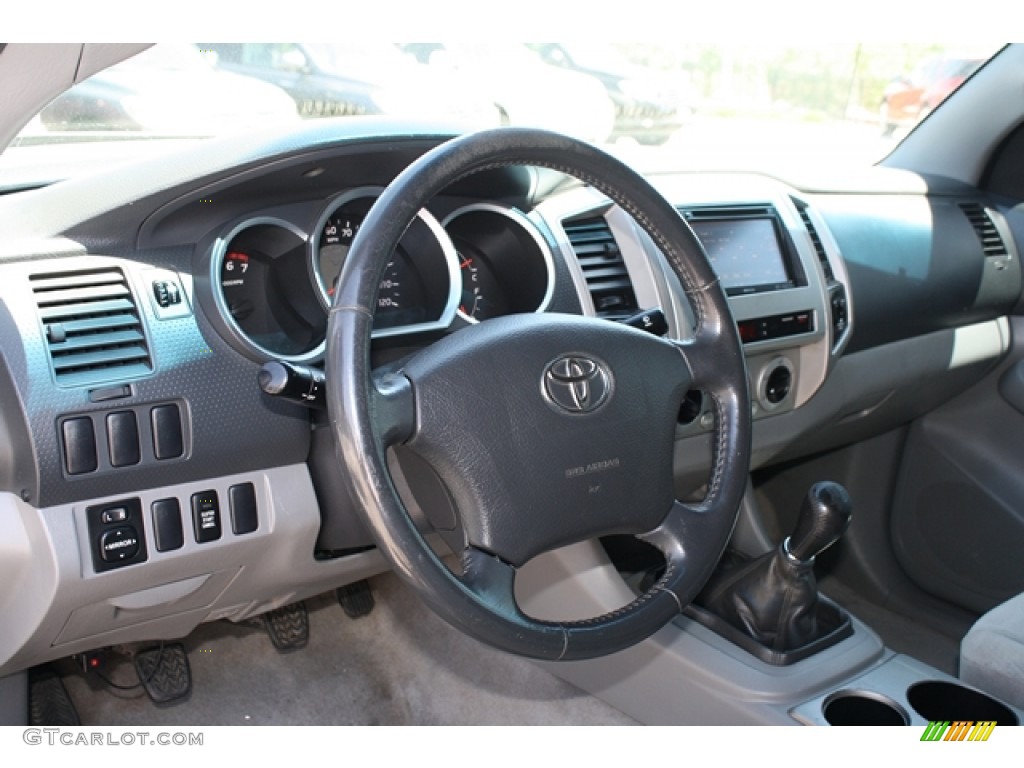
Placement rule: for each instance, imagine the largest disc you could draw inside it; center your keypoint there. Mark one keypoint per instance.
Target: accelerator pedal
(356, 599)
(164, 672)
(288, 626)
(48, 700)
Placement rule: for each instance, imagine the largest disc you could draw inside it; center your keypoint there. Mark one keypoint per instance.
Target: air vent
(601, 261)
(819, 248)
(92, 326)
(991, 243)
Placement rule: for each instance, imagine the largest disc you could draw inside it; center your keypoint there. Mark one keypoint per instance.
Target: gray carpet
(399, 665)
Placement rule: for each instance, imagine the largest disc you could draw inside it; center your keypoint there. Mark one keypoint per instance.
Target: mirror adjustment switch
(113, 515)
(117, 535)
(244, 515)
(206, 516)
(167, 531)
(119, 544)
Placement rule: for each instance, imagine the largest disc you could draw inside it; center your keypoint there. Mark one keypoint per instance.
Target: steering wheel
(546, 429)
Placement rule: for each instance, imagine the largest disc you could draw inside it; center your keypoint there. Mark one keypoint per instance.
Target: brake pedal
(356, 599)
(49, 702)
(288, 626)
(164, 672)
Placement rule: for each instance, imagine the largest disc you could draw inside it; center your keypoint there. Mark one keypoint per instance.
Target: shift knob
(824, 517)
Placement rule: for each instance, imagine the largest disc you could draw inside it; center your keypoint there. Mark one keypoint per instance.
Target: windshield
(659, 106)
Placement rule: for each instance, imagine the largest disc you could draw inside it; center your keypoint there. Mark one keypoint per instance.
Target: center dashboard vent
(819, 247)
(603, 268)
(92, 326)
(991, 242)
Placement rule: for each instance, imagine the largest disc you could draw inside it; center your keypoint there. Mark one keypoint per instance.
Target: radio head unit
(748, 248)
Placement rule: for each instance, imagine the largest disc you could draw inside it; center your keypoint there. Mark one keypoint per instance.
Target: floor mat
(401, 665)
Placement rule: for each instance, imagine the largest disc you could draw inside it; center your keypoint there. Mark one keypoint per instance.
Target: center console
(695, 673)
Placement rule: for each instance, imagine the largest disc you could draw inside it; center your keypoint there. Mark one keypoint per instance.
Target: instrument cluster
(273, 283)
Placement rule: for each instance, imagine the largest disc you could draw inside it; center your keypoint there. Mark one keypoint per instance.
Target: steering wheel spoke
(393, 402)
(685, 537)
(490, 579)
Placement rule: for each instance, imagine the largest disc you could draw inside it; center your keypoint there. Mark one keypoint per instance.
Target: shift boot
(774, 599)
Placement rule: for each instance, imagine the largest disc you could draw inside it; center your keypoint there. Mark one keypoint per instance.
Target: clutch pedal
(49, 702)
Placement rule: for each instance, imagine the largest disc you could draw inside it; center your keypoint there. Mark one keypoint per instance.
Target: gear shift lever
(824, 518)
(774, 599)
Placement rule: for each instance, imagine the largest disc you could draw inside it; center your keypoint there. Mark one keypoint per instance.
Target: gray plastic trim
(811, 355)
(685, 673)
(890, 680)
(54, 604)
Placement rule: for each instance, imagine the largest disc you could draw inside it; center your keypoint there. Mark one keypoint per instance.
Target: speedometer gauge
(417, 290)
(336, 238)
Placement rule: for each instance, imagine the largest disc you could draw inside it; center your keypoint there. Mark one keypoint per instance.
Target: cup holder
(945, 701)
(863, 708)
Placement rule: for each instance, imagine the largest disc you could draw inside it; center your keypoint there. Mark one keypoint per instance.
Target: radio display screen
(745, 253)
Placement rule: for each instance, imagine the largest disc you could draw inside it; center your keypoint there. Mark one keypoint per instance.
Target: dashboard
(148, 482)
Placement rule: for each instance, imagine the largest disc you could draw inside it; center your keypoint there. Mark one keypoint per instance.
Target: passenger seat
(992, 652)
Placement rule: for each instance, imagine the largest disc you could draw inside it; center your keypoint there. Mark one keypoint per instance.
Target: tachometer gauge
(234, 285)
(471, 299)
(262, 294)
(418, 289)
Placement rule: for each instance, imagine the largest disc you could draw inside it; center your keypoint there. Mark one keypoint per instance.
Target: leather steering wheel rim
(373, 411)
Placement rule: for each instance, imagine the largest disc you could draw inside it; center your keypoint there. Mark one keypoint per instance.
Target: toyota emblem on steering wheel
(577, 384)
